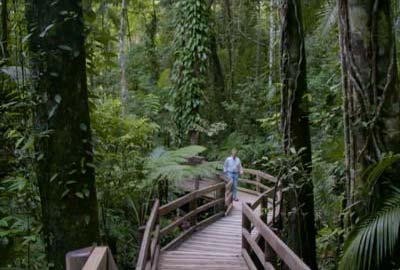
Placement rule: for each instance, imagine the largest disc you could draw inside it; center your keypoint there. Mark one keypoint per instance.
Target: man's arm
(240, 167)
(226, 166)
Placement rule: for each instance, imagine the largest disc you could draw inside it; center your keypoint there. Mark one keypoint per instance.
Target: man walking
(232, 169)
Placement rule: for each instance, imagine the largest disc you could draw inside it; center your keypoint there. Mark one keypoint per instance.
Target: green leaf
(65, 47)
(44, 32)
(58, 98)
(79, 195)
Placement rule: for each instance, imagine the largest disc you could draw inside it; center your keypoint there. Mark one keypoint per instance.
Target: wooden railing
(273, 245)
(217, 197)
(100, 259)
(150, 247)
(257, 180)
(228, 193)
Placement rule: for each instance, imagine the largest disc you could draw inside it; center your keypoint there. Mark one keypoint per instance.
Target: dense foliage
(197, 71)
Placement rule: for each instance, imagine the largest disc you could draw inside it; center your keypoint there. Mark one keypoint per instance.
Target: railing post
(193, 204)
(258, 183)
(221, 195)
(246, 225)
(76, 259)
(270, 255)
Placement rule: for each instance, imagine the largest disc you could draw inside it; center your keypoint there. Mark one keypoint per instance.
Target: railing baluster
(246, 225)
(258, 183)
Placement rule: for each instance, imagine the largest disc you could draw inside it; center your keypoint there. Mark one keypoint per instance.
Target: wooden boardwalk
(216, 247)
(232, 236)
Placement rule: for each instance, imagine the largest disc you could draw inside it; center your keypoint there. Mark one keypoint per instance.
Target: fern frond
(375, 238)
(172, 165)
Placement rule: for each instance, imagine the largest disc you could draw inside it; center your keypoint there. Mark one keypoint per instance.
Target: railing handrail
(171, 206)
(259, 185)
(261, 174)
(149, 246)
(280, 248)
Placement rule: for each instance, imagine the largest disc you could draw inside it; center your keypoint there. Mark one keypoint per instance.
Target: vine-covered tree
(191, 57)
(299, 200)
(63, 146)
(371, 93)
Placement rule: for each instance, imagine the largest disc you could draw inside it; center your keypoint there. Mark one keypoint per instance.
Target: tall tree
(191, 52)
(216, 72)
(299, 200)
(150, 43)
(122, 56)
(4, 29)
(64, 146)
(228, 21)
(271, 48)
(371, 93)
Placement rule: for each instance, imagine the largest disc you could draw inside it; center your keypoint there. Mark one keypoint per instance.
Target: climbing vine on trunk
(191, 54)
(371, 94)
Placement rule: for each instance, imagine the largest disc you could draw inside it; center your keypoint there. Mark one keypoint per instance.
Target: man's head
(234, 152)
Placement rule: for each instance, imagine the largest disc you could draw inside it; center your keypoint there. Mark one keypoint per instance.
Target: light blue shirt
(233, 165)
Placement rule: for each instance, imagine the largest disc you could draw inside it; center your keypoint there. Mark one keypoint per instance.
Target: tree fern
(172, 165)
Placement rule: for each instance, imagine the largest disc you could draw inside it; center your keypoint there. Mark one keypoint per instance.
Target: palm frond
(374, 172)
(375, 237)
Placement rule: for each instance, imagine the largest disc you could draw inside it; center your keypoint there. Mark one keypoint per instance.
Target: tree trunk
(217, 78)
(271, 44)
(229, 23)
(346, 124)
(4, 31)
(296, 133)
(122, 56)
(372, 99)
(64, 166)
(258, 45)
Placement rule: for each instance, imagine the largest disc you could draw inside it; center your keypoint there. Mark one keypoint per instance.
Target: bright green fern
(172, 165)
